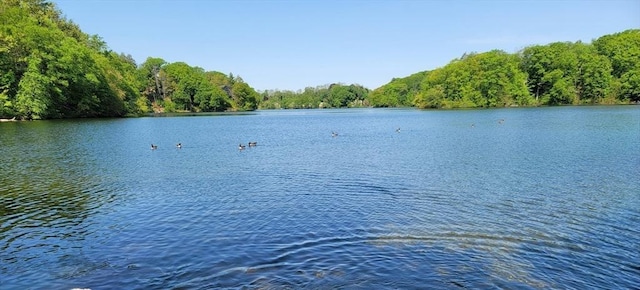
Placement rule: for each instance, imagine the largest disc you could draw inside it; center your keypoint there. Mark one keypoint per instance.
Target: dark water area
(533, 198)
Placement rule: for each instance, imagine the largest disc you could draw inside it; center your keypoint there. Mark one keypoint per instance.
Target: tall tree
(244, 97)
(566, 73)
(149, 76)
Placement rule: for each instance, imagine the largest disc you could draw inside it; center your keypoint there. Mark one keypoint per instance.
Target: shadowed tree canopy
(51, 69)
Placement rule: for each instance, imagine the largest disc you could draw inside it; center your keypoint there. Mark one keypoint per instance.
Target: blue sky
(290, 45)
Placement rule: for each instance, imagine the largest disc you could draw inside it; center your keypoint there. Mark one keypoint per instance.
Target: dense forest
(49, 68)
(560, 73)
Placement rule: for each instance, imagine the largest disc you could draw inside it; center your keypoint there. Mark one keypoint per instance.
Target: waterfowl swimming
(334, 134)
(154, 147)
(241, 147)
(179, 145)
(500, 121)
(253, 144)
(398, 130)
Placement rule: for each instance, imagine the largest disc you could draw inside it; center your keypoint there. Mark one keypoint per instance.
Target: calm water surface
(505, 198)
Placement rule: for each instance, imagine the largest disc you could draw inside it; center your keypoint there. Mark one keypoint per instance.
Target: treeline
(49, 68)
(561, 73)
(604, 72)
(327, 96)
(178, 87)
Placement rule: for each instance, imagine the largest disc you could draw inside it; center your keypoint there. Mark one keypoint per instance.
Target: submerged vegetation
(49, 68)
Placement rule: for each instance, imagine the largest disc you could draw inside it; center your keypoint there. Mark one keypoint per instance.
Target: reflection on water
(524, 198)
(46, 196)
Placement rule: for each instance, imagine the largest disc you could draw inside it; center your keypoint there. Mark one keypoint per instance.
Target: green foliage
(561, 91)
(175, 87)
(49, 68)
(33, 100)
(490, 79)
(554, 74)
(244, 97)
(218, 98)
(183, 81)
(327, 96)
(168, 105)
(399, 92)
(630, 85)
(340, 96)
(567, 73)
(622, 49)
(141, 106)
(150, 79)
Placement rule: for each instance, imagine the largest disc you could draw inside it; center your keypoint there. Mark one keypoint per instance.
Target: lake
(499, 198)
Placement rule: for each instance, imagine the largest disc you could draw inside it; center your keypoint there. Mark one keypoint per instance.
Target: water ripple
(439, 205)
